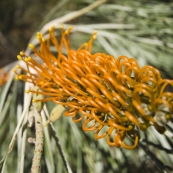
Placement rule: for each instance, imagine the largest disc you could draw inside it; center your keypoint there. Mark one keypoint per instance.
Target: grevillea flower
(3, 77)
(115, 97)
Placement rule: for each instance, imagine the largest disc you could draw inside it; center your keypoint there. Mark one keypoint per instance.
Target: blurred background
(146, 28)
(141, 29)
(18, 21)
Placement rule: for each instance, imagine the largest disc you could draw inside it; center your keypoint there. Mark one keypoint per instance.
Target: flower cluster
(3, 77)
(115, 97)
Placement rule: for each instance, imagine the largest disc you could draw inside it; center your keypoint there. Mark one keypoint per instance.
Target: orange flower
(116, 98)
(3, 77)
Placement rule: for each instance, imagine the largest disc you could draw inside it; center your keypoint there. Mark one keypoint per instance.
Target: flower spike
(116, 98)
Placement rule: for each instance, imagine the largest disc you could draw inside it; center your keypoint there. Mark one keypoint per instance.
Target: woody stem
(38, 144)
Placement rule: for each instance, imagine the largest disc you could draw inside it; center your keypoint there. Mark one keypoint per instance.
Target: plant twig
(38, 144)
(37, 107)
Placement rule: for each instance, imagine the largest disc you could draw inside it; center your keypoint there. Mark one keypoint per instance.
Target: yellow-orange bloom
(3, 77)
(116, 98)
